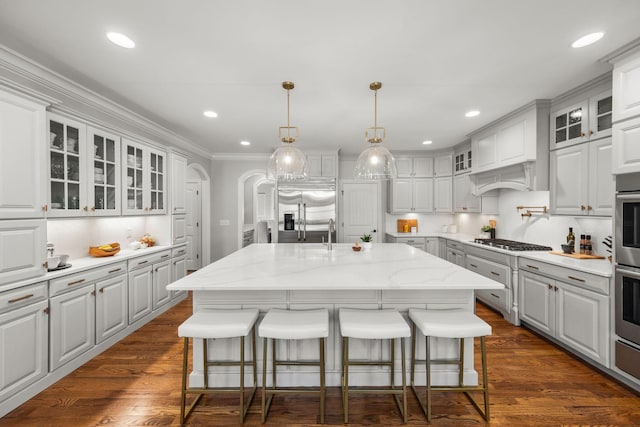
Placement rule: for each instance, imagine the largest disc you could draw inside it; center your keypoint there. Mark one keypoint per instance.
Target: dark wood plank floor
(137, 381)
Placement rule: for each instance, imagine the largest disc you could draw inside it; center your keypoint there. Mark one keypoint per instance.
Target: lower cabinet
(111, 307)
(72, 325)
(455, 253)
(433, 245)
(148, 280)
(24, 338)
(140, 293)
(178, 267)
(161, 278)
(577, 317)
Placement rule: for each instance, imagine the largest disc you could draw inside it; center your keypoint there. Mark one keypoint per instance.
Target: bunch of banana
(109, 247)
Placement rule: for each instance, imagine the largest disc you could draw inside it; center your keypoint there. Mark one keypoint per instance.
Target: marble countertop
(600, 267)
(310, 266)
(86, 263)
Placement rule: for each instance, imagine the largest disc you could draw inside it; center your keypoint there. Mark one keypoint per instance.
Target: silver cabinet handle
(299, 221)
(304, 231)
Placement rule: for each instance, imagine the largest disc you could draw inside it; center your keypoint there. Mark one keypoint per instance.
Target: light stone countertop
(310, 266)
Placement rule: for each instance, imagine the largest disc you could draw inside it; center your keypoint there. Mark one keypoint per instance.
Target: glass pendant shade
(287, 163)
(375, 162)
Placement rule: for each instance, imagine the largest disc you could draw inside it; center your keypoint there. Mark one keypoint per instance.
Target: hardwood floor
(137, 381)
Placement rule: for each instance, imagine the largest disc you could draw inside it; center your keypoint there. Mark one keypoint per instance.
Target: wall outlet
(225, 223)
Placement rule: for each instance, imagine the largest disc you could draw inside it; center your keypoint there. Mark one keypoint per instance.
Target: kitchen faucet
(332, 228)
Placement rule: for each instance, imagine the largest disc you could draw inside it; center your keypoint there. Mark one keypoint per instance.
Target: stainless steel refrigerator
(304, 211)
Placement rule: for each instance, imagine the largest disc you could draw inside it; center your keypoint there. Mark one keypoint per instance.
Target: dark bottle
(571, 238)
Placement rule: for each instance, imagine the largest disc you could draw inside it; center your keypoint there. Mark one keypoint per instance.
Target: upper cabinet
(513, 139)
(144, 173)
(626, 114)
(410, 195)
(414, 167)
(67, 166)
(587, 119)
(103, 173)
(322, 165)
(22, 157)
(178, 183)
(443, 165)
(463, 161)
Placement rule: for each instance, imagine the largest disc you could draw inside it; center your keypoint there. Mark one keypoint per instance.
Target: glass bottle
(571, 237)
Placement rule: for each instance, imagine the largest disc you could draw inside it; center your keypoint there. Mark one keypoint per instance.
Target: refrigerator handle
(299, 219)
(304, 231)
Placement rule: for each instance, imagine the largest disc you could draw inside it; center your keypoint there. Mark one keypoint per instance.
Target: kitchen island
(304, 276)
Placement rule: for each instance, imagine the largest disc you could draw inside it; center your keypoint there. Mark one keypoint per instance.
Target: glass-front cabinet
(144, 179)
(67, 150)
(104, 173)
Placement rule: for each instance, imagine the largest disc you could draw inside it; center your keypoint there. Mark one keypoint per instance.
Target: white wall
(539, 229)
(426, 222)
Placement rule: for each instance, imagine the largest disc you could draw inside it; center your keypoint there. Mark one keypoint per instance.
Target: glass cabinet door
(134, 177)
(157, 169)
(66, 188)
(104, 173)
(601, 108)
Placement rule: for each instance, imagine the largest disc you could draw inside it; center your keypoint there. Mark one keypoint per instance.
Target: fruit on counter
(148, 240)
(104, 250)
(356, 244)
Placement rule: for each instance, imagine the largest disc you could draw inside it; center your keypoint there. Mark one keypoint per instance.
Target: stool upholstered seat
(374, 324)
(456, 324)
(293, 325)
(218, 324)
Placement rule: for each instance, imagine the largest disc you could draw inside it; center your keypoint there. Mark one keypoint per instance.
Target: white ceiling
(437, 59)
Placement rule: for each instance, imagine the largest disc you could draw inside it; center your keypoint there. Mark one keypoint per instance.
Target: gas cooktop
(512, 245)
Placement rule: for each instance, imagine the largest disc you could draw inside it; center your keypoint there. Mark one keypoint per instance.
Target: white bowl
(53, 261)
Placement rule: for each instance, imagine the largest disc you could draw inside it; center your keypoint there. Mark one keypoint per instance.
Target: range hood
(520, 176)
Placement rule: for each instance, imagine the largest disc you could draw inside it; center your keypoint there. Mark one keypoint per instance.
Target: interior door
(192, 226)
(360, 209)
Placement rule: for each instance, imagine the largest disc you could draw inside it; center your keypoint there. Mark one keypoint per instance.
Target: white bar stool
(373, 325)
(218, 324)
(293, 325)
(450, 324)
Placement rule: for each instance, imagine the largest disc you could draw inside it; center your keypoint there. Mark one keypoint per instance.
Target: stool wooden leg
(393, 363)
(461, 364)
(322, 384)
(273, 362)
(345, 398)
(413, 354)
(205, 364)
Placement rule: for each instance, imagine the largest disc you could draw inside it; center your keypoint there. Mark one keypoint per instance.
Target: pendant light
(287, 163)
(375, 162)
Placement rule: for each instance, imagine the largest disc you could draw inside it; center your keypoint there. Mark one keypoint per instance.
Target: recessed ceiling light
(121, 40)
(210, 114)
(472, 113)
(245, 143)
(587, 40)
(427, 142)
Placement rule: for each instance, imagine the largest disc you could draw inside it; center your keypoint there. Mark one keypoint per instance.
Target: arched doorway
(198, 217)
(255, 202)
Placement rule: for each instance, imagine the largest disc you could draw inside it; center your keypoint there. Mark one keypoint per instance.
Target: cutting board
(577, 256)
(409, 222)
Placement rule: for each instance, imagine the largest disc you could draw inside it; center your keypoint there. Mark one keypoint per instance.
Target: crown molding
(62, 86)
(622, 52)
(240, 156)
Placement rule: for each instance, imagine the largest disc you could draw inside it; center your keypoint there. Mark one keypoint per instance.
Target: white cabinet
(22, 157)
(322, 165)
(443, 195)
(414, 167)
(179, 229)
(148, 279)
(510, 140)
(416, 242)
(581, 179)
(178, 183)
(626, 88)
(140, 291)
(561, 303)
(443, 165)
(67, 166)
(111, 305)
(588, 119)
(103, 173)
(178, 267)
(463, 161)
(463, 200)
(72, 325)
(433, 245)
(410, 195)
(24, 339)
(161, 278)
(626, 146)
(23, 249)
(455, 253)
(145, 178)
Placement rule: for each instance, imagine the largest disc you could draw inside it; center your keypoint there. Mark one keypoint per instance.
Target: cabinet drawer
(146, 260)
(410, 240)
(22, 296)
(567, 275)
(490, 269)
(497, 298)
(72, 281)
(455, 245)
(179, 251)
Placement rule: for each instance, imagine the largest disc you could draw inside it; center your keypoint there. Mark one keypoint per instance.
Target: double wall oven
(627, 286)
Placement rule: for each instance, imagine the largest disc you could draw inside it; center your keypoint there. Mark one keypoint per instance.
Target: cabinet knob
(102, 290)
(582, 134)
(45, 208)
(590, 132)
(583, 207)
(86, 208)
(589, 208)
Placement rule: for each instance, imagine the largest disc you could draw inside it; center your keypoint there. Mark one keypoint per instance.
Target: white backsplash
(426, 223)
(540, 229)
(73, 236)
